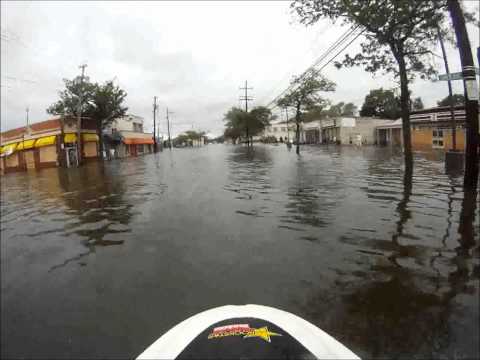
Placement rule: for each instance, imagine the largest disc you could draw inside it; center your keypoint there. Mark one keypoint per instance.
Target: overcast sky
(193, 56)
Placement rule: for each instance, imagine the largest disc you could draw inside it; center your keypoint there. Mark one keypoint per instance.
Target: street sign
(455, 76)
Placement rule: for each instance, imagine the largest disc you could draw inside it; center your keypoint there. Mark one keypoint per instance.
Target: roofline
(437, 109)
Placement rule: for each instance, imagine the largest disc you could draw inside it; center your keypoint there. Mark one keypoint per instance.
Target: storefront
(47, 151)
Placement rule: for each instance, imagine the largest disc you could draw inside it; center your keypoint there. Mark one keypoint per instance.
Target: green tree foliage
(304, 95)
(239, 123)
(417, 104)
(349, 109)
(322, 111)
(259, 118)
(315, 112)
(101, 102)
(235, 124)
(335, 110)
(341, 109)
(68, 104)
(457, 99)
(108, 104)
(398, 38)
(381, 103)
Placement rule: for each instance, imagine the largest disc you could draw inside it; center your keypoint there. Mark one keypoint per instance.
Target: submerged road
(98, 262)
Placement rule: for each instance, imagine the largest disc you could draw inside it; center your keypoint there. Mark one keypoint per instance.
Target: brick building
(48, 143)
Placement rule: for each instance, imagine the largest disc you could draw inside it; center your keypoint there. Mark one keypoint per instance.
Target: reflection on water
(384, 257)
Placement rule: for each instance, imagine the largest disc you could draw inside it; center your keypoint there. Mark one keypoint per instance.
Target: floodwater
(100, 261)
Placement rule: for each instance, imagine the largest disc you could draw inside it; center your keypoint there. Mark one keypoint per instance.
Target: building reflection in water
(95, 198)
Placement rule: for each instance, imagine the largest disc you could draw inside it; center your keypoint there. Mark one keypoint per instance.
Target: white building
(280, 132)
(125, 135)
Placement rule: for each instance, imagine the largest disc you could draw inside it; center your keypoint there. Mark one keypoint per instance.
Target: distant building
(343, 130)
(126, 137)
(280, 132)
(390, 134)
(430, 129)
(48, 143)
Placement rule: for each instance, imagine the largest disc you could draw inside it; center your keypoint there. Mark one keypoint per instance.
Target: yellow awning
(45, 141)
(25, 145)
(70, 138)
(8, 149)
(89, 137)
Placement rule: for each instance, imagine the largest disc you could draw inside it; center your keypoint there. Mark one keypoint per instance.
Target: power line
(23, 80)
(288, 72)
(332, 47)
(342, 39)
(339, 42)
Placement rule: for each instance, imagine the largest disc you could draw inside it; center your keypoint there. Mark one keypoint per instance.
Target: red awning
(137, 141)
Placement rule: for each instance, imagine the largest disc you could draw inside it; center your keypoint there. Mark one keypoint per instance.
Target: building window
(437, 139)
(275, 129)
(284, 129)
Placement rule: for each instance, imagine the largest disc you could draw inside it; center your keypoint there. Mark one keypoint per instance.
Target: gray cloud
(193, 56)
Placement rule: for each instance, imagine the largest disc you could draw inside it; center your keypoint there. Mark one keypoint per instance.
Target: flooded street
(100, 261)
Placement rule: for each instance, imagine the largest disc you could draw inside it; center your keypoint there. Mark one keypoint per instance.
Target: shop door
(29, 159)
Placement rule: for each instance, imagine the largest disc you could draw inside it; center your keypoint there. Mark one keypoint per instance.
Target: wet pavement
(100, 261)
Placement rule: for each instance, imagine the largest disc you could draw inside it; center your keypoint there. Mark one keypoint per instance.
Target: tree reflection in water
(394, 311)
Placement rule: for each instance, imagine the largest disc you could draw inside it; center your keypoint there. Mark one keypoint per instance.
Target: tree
(108, 100)
(236, 123)
(70, 98)
(259, 118)
(349, 109)
(335, 110)
(252, 123)
(320, 110)
(417, 104)
(381, 103)
(316, 111)
(232, 133)
(398, 37)
(457, 99)
(304, 95)
(102, 103)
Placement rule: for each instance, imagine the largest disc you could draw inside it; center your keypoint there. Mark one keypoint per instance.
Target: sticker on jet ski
(242, 330)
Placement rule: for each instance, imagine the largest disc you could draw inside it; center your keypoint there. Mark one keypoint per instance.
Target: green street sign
(455, 76)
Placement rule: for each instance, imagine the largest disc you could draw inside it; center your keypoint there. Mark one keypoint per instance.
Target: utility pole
(79, 116)
(247, 99)
(288, 129)
(450, 93)
(471, 94)
(154, 124)
(26, 127)
(158, 137)
(168, 129)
